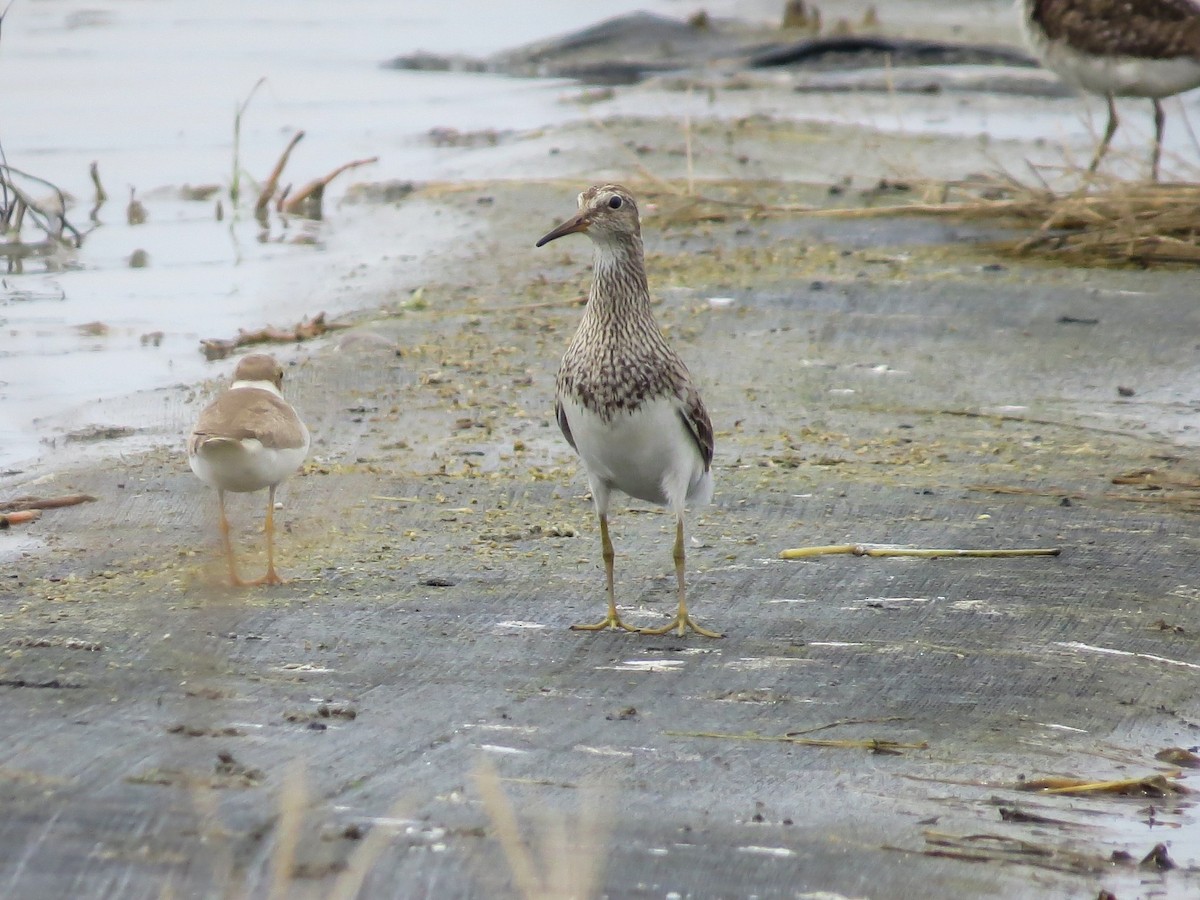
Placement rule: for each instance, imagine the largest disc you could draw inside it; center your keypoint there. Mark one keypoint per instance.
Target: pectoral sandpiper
(625, 401)
(248, 439)
(1119, 48)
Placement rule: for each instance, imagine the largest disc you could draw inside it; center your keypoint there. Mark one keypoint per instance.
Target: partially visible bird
(248, 439)
(1119, 48)
(625, 401)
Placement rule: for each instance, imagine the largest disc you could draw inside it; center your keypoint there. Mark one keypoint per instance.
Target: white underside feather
(244, 465)
(648, 453)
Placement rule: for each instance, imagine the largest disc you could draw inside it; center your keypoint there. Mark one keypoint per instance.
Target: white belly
(244, 465)
(1124, 76)
(649, 454)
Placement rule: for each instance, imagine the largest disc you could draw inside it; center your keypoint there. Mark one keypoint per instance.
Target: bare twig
(1025, 491)
(875, 745)
(687, 143)
(101, 195)
(272, 183)
(840, 722)
(918, 552)
(52, 221)
(307, 329)
(307, 201)
(1157, 785)
(23, 503)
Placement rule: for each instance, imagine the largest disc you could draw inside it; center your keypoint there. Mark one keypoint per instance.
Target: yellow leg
(682, 620)
(1109, 131)
(223, 525)
(272, 577)
(1159, 120)
(613, 619)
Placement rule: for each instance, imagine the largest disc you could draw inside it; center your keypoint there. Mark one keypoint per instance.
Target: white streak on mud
(496, 748)
(1063, 727)
(1076, 645)
(646, 665)
(768, 851)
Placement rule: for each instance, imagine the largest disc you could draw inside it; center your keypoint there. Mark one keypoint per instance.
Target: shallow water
(149, 92)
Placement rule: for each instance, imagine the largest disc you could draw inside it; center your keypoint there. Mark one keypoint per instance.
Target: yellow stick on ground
(918, 552)
(876, 745)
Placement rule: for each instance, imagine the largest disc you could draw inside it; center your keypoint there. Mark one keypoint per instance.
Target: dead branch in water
(306, 202)
(101, 194)
(135, 211)
(271, 185)
(307, 329)
(18, 205)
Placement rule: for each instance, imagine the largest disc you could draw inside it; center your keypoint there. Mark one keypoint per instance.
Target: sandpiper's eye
(614, 203)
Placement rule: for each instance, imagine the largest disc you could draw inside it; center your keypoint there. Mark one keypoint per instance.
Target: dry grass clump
(552, 856)
(1106, 222)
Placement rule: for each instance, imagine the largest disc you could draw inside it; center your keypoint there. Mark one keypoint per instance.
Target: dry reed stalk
(566, 858)
(349, 882)
(293, 800)
(235, 182)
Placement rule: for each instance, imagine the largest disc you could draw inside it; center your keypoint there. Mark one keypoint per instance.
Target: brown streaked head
(607, 213)
(259, 367)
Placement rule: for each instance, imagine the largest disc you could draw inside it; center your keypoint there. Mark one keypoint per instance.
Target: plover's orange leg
(223, 526)
(272, 577)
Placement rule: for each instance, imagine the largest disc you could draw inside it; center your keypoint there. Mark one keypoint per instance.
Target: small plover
(248, 439)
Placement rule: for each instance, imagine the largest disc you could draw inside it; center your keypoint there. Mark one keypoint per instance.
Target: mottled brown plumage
(1119, 48)
(1144, 29)
(625, 401)
(618, 357)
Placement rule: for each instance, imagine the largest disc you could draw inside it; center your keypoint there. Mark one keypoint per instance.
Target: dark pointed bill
(571, 226)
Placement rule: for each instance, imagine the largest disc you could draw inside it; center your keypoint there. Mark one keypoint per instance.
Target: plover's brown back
(248, 439)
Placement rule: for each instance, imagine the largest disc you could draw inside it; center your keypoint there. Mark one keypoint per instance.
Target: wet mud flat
(882, 381)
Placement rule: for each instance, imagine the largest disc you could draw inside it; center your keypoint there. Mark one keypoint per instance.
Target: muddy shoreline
(441, 540)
